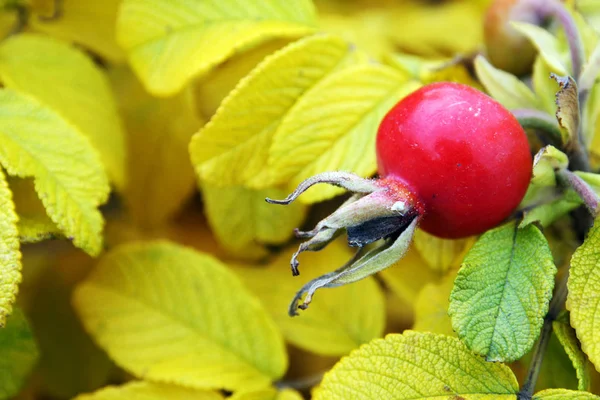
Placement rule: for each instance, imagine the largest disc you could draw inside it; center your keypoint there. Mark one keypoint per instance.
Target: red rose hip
(463, 155)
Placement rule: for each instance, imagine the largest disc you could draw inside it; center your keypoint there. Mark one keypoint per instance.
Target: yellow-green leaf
(68, 175)
(171, 41)
(417, 366)
(34, 224)
(431, 307)
(568, 339)
(504, 87)
(10, 266)
(242, 219)
(333, 127)
(545, 87)
(441, 254)
(19, 355)
(66, 81)
(169, 314)
(564, 394)
(90, 23)
(233, 147)
(584, 295)
(502, 291)
(268, 394)
(342, 319)
(149, 391)
(160, 177)
(547, 45)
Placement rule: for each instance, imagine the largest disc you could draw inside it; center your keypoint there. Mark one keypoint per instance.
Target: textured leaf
(160, 177)
(71, 22)
(563, 394)
(584, 297)
(441, 254)
(502, 291)
(341, 320)
(241, 218)
(67, 82)
(10, 267)
(233, 147)
(547, 45)
(149, 391)
(417, 366)
(169, 314)
(67, 172)
(320, 133)
(567, 110)
(431, 308)
(169, 42)
(19, 355)
(568, 339)
(34, 225)
(504, 87)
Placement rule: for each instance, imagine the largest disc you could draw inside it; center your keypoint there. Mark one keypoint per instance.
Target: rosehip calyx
(450, 159)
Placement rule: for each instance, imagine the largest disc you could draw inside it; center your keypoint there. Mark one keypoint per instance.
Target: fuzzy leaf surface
(417, 366)
(68, 175)
(169, 42)
(233, 148)
(10, 265)
(68, 82)
(142, 390)
(568, 339)
(333, 127)
(169, 314)
(502, 291)
(341, 320)
(19, 355)
(583, 300)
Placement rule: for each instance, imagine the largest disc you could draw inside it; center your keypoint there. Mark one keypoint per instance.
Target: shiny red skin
(463, 154)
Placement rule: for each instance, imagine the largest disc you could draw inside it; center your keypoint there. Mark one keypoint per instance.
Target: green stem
(542, 121)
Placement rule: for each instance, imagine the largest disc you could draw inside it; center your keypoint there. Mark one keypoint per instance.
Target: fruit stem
(587, 194)
(542, 121)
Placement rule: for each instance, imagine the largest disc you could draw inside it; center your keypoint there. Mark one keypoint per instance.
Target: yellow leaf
(10, 267)
(233, 147)
(584, 297)
(431, 307)
(333, 127)
(342, 319)
(170, 41)
(441, 254)
(149, 391)
(160, 177)
(169, 314)
(34, 224)
(242, 220)
(417, 366)
(66, 81)
(268, 394)
(68, 175)
(89, 23)
(564, 394)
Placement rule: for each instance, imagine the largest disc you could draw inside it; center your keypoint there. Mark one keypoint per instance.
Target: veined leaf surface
(68, 175)
(417, 366)
(171, 41)
(10, 266)
(169, 314)
(564, 394)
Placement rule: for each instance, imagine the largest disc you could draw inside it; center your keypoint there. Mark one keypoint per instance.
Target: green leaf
(19, 355)
(149, 391)
(564, 394)
(169, 314)
(548, 213)
(584, 297)
(241, 219)
(67, 82)
(504, 87)
(340, 321)
(171, 41)
(320, 133)
(568, 339)
(416, 366)
(233, 147)
(547, 45)
(68, 175)
(10, 267)
(545, 87)
(502, 291)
